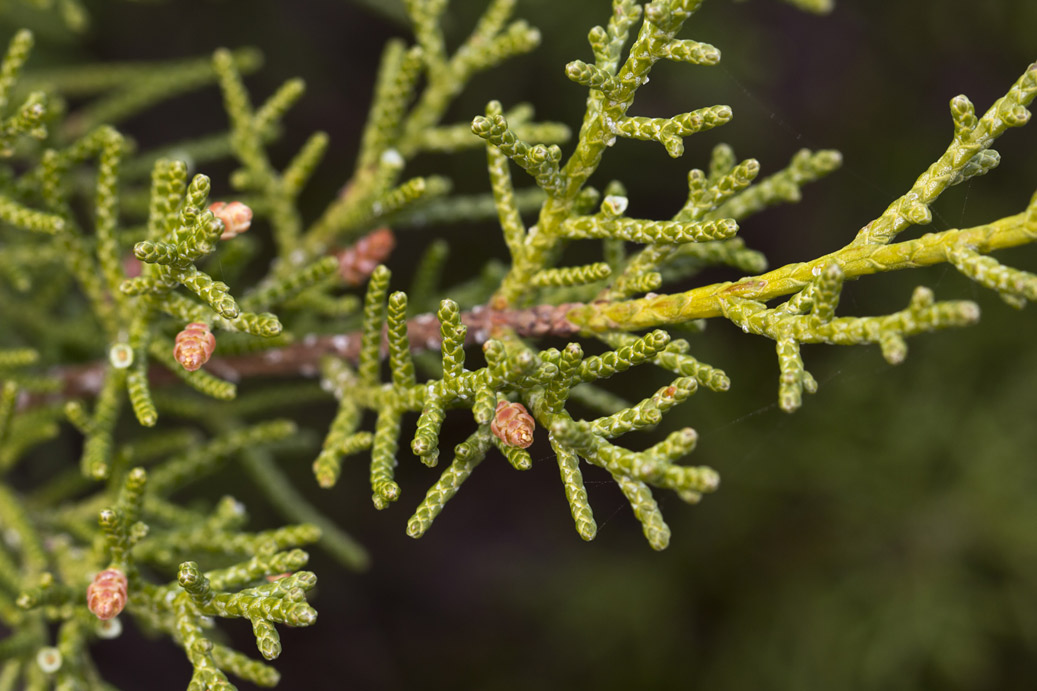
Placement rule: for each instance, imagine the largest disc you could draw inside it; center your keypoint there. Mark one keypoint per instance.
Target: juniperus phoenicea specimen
(128, 302)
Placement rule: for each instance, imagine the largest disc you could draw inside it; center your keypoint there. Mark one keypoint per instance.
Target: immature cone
(356, 263)
(194, 346)
(513, 424)
(131, 266)
(106, 596)
(236, 218)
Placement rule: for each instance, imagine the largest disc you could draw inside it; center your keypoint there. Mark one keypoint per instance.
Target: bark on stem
(303, 357)
(568, 319)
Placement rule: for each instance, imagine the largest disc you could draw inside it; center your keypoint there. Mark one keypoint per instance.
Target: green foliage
(93, 330)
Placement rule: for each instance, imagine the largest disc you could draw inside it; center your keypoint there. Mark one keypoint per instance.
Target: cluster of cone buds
(106, 595)
(513, 424)
(194, 345)
(359, 261)
(236, 217)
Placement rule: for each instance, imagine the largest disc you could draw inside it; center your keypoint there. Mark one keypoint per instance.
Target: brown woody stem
(303, 357)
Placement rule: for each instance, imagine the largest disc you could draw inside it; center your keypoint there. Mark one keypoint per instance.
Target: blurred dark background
(883, 537)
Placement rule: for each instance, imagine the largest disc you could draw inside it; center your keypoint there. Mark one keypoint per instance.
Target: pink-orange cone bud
(131, 266)
(106, 596)
(513, 424)
(194, 346)
(236, 218)
(358, 262)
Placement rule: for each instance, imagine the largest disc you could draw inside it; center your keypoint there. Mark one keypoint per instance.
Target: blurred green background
(883, 537)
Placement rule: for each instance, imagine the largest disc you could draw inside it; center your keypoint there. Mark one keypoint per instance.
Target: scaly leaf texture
(102, 269)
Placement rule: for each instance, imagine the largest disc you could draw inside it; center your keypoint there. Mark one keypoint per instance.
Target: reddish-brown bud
(356, 263)
(131, 266)
(236, 218)
(106, 595)
(194, 346)
(513, 424)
